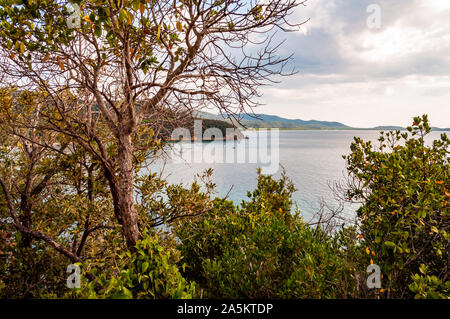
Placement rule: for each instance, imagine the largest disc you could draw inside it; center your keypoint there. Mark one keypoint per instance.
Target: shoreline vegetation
(211, 130)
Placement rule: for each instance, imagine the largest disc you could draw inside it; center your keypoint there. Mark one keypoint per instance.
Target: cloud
(403, 67)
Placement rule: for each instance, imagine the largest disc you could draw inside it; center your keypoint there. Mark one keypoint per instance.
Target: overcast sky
(365, 76)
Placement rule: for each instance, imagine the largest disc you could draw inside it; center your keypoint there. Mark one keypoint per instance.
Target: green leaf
(98, 30)
(136, 4)
(159, 32)
(423, 269)
(123, 15)
(130, 18)
(127, 293)
(179, 26)
(389, 244)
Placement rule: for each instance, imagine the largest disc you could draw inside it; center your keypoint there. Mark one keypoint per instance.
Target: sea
(312, 159)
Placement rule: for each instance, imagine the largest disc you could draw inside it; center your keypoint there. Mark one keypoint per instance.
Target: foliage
(162, 203)
(404, 187)
(55, 192)
(30, 272)
(430, 287)
(108, 69)
(148, 271)
(192, 246)
(260, 250)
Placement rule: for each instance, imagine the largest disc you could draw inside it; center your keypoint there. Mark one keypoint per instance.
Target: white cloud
(366, 77)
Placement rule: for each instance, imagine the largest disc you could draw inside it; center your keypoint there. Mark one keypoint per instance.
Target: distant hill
(400, 128)
(274, 121)
(264, 120)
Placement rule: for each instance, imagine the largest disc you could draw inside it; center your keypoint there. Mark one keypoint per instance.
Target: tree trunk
(25, 219)
(128, 212)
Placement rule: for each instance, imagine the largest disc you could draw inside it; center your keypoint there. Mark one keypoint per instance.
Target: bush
(429, 287)
(149, 271)
(29, 272)
(261, 250)
(403, 185)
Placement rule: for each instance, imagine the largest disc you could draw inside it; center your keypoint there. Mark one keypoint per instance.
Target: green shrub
(29, 272)
(148, 272)
(403, 185)
(429, 287)
(261, 250)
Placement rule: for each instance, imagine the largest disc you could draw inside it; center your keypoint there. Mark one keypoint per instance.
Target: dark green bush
(27, 272)
(261, 250)
(148, 272)
(404, 187)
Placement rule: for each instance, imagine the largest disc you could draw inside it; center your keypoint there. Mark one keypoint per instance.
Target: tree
(403, 186)
(30, 167)
(130, 60)
(50, 198)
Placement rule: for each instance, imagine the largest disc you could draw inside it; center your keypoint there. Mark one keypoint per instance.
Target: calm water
(312, 159)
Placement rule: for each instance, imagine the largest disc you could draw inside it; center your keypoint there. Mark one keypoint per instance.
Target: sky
(366, 63)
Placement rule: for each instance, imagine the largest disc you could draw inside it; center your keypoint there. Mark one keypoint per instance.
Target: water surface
(312, 159)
